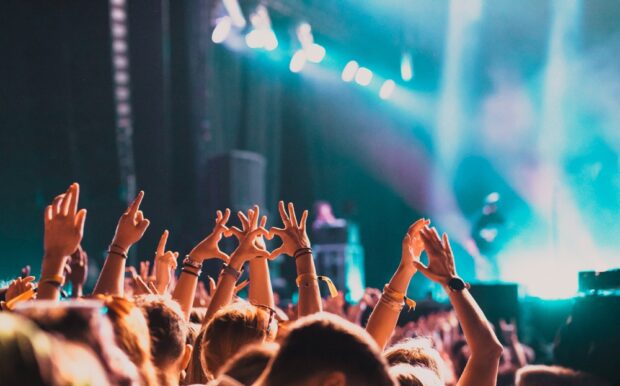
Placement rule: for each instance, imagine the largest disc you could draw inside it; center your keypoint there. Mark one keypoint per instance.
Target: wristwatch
(456, 284)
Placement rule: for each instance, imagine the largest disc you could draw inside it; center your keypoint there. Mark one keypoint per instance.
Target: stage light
(363, 77)
(406, 67)
(270, 40)
(253, 39)
(236, 15)
(298, 61)
(315, 53)
(387, 88)
(221, 30)
(348, 73)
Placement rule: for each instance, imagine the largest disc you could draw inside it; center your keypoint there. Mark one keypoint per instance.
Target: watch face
(456, 283)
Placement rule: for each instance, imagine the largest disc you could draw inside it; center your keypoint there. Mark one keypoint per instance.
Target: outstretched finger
(241, 286)
(161, 246)
(57, 203)
(234, 231)
(263, 222)
(135, 205)
(223, 219)
(28, 279)
(80, 220)
(75, 197)
(48, 214)
(283, 213)
(254, 216)
(66, 201)
(304, 218)
(292, 215)
(276, 252)
(212, 285)
(245, 222)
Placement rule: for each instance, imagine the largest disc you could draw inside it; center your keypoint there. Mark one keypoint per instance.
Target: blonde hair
(417, 352)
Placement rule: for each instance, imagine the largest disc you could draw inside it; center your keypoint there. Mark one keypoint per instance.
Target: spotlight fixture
(363, 77)
(387, 88)
(348, 73)
(298, 61)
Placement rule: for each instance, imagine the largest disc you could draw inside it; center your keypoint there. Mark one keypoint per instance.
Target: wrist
(236, 261)
(122, 245)
(406, 269)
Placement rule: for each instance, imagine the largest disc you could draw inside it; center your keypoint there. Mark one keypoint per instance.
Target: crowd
(157, 328)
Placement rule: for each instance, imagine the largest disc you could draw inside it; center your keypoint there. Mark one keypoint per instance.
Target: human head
(82, 322)
(231, 329)
(250, 363)
(132, 334)
(29, 356)
(168, 331)
(408, 375)
(417, 352)
(324, 349)
(539, 375)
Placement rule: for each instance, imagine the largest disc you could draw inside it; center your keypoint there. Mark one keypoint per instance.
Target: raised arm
(78, 272)
(260, 281)
(295, 243)
(481, 369)
(164, 265)
(383, 319)
(247, 250)
(130, 229)
(64, 228)
(208, 248)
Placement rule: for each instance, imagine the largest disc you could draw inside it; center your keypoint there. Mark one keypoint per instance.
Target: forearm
(77, 291)
(185, 291)
(384, 317)
(481, 369)
(112, 276)
(224, 291)
(309, 293)
(260, 283)
(53, 266)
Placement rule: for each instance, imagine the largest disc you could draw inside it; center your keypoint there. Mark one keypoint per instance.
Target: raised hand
(131, 226)
(165, 264)
(249, 224)
(209, 247)
(18, 287)
(251, 242)
(77, 271)
(440, 267)
(293, 235)
(413, 245)
(63, 224)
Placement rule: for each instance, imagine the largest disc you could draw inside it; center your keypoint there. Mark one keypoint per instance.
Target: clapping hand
(131, 226)
(63, 224)
(440, 267)
(209, 247)
(293, 235)
(413, 245)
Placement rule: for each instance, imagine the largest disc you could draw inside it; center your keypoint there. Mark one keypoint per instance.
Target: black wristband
(197, 274)
(301, 252)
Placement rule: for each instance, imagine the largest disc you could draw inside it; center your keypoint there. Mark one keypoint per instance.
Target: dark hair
(231, 329)
(167, 328)
(325, 342)
(250, 363)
